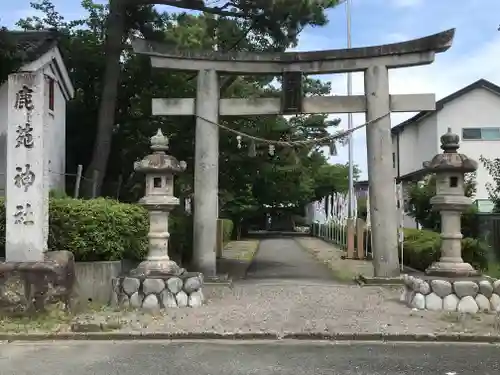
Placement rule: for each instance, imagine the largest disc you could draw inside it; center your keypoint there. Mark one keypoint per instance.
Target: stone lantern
(449, 169)
(159, 200)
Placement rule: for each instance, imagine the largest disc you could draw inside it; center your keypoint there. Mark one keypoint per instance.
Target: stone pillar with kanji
(26, 206)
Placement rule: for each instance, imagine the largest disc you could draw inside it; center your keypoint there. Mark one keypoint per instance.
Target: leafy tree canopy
(420, 208)
(249, 176)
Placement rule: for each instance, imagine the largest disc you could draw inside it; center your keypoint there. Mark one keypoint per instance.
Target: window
(157, 182)
(51, 94)
(488, 134)
(453, 182)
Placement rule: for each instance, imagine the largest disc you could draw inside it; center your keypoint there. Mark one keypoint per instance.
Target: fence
(336, 233)
(487, 230)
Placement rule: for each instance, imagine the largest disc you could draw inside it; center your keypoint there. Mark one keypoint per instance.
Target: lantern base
(448, 269)
(158, 267)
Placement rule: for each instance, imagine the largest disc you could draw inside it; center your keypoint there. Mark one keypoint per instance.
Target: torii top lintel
(410, 53)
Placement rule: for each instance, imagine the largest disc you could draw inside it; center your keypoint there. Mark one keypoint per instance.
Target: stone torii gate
(377, 103)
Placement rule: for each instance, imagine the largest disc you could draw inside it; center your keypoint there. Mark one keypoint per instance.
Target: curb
(379, 337)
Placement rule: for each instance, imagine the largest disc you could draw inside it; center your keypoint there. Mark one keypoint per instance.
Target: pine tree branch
(197, 5)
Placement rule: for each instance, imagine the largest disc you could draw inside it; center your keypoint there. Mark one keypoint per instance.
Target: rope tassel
(323, 140)
(252, 151)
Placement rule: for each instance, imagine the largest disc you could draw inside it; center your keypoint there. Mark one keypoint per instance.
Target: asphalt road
(232, 358)
(283, 258)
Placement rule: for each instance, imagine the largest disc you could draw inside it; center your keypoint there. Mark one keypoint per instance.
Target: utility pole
(350, 124)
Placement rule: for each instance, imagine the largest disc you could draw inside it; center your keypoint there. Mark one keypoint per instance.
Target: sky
(475, 53)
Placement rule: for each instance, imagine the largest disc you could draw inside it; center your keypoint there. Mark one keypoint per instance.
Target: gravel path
(285, 259)
(290, 290)
(313, 308)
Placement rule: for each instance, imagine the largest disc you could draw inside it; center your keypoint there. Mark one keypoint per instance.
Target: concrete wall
(94, 279)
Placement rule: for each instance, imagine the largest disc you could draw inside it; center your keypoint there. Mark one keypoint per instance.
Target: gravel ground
(293, 305)
(319, 308)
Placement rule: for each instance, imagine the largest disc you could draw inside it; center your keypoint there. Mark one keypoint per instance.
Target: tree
(280, 20)
(81, 42)
(420, 208)
(493, 168)
(9, 56)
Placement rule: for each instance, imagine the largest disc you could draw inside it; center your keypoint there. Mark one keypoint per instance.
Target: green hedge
(105, 229)
(422, 247)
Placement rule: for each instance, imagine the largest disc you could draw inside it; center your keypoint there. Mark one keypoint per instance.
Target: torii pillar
(377, 103)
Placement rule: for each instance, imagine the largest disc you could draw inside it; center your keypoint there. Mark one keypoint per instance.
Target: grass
(473, 322)
(55, 319)
(456, 317)
(52, 321)
(342, 270)
(494, 270)
(242, 250)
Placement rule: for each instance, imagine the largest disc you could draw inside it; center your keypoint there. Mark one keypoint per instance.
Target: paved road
(284, 259)
(235, 358)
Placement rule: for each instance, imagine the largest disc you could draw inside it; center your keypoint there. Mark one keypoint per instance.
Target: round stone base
(154, 293)
(452, 294)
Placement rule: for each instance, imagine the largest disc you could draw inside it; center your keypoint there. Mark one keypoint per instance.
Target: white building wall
(56, 135)
(478, 109)
(420, 141)
(417, 144)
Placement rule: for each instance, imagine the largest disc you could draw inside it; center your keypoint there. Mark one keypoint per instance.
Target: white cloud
(450, 72)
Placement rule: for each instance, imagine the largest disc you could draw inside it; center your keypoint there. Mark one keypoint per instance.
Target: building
(37, 51)
(472, 112)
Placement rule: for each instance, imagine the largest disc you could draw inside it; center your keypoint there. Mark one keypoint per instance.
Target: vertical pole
(206, 177)
(119, 186)
(350, 120)
(95, 177)
(401, 237)
(350, 193)
(383, 212)
(79, 172)
(360, 238)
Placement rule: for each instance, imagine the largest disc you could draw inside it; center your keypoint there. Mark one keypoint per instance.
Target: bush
(94, 230)
(105, 229)
(422, 247)
(98, 229)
